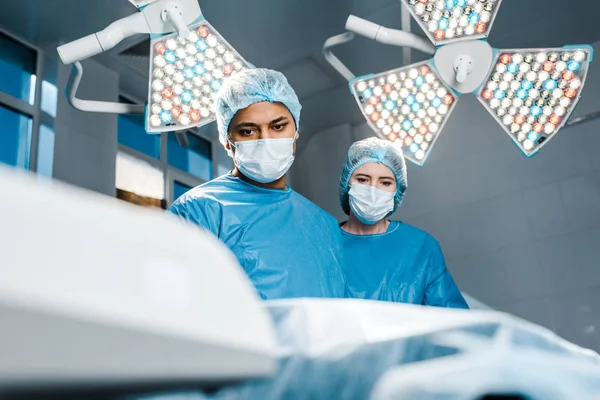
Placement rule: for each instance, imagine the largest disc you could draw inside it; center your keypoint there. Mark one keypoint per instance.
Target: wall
(522, 235)
(312, 173)
(86, 143)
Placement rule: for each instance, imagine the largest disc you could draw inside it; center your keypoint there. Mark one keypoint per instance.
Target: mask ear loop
(231, 148)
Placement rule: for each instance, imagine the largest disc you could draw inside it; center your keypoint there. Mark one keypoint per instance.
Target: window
(139, 182)
(179, 189)
(222, 170)
(17, 69)
(195, 159)
(49, 98)
(45, 155)
(49, 94)
(132, 133)
(180, 168)
(15, 138)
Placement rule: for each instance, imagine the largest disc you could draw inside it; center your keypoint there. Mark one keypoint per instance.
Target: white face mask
(264, 160)
(369, 204)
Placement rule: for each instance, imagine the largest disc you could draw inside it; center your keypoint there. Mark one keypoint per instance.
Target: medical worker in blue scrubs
(388, 260)
(287, 245)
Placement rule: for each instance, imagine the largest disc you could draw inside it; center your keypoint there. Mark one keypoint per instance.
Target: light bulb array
(408, 106)
(532, 92)
(185, 75)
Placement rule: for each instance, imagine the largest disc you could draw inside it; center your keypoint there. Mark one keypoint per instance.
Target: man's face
(264, 120)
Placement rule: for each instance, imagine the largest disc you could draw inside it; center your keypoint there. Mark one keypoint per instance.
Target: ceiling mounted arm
(98, 106)
(154, 16)
(394, 37)
(406, 21)
(332, 59)
(103, 40)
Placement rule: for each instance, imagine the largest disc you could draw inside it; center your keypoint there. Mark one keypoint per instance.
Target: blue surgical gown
(404, 264)
(287, 245)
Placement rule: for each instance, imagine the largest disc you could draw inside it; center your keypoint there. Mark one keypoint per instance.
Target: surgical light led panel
(532, 92)
(446, 21)
(408, 106)
(185, 75)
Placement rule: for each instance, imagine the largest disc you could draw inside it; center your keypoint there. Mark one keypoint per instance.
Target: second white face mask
(264, 160)
(369, 204)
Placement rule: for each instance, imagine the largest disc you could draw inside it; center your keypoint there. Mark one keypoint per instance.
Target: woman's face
(376, 175)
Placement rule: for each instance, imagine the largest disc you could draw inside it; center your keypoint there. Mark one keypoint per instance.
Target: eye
(279, 127)
(361, 180)
(246, 132)
(387, 183)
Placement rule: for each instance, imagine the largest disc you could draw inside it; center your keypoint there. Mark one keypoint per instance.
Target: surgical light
(189, 61)
(530, 92)
(408, 106)
(447, 21)
(185, 75)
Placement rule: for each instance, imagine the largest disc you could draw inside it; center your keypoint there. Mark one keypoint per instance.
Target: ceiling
(288, 35)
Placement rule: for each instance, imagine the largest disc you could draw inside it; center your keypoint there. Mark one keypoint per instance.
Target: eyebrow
(245, 125)
(280, 119)
(255, 125)
(363, 175)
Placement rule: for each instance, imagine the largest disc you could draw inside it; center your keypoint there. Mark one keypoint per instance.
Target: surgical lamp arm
(98, 106)
(359, 26)
(394, 37)
(157, 16)
(332, 59)
(103, 40)
(97, 43)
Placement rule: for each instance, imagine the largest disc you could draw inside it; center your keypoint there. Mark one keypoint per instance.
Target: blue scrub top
(404, 264)
(287, 245)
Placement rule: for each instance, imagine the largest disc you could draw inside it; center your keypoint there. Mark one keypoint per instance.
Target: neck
(355, 227)
(278, 184)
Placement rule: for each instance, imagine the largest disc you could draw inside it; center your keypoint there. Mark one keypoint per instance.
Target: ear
(297, 135)
(229, 148)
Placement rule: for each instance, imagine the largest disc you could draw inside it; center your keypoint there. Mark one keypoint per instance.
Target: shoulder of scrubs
(202, 205)
(316, 210)
(441, 290)
(332, 239)
(328, 220)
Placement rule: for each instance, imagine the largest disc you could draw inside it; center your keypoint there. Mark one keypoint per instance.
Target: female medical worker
(287, 245)
(388, 260)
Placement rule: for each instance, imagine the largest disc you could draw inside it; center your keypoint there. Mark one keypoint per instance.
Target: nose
(265, 133)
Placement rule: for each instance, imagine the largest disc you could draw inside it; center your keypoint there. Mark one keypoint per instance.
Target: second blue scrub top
(287, 245)
(404, 264)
